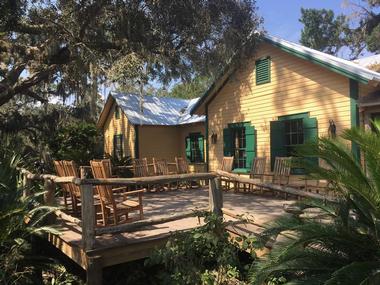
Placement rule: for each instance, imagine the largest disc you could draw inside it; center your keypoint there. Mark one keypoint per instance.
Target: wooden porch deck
(111, 249)
(93, 247)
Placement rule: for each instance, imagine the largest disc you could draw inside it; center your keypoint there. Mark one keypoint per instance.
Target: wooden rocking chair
(66, 190)
(161, 167)
(281, 171)
(183, 168)
(141, 169)
(115, 204)
(227, 165)
(256, 173)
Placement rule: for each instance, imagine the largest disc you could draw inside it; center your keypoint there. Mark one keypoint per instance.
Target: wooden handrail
(144, 223)
(274, 187)
(89, 230)
(147, 180)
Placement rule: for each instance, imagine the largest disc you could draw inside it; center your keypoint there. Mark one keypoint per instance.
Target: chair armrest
(135, 192)
(268, 174)
(119, 189)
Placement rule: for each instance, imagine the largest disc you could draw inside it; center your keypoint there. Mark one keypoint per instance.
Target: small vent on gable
(263, 70)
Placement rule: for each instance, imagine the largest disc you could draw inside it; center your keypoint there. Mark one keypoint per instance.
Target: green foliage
(21, 219)
(202, 256)
(325, 32)
(322, 30)
(193, 89)
(79, 142)
(332, 242)
(78, 45)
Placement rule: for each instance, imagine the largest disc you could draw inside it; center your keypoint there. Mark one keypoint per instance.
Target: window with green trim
(118, 146)
(263, 70)
(195, 147)
(117, 112)
(288, 133)
(240, 142)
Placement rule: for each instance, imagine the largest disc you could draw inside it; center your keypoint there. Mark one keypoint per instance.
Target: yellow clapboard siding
(296, 86)
(119, 126)
(154, 141)
(165, 141)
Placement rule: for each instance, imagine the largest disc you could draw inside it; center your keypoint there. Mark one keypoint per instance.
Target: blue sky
(281, 16)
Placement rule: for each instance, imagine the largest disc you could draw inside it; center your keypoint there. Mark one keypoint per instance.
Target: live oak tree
(322, 30)
(69, 47)
(329, 33)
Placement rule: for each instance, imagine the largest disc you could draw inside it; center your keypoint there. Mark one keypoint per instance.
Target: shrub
(205, 255)
(340, 242)
(79, 142)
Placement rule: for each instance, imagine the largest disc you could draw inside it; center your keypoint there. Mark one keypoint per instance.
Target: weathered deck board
(124, 247)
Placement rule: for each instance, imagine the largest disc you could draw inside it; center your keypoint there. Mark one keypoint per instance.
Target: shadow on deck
(128, 246)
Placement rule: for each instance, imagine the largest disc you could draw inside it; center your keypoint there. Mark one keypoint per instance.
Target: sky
(281, 16)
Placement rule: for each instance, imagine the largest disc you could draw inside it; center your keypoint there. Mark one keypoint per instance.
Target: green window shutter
(310, 134)
(310, 130)
(277, 140)
(188, 148)
(201, 147)
(118, 146)
(117, 112)
(250, 140)
(227, 142)
(263, 71)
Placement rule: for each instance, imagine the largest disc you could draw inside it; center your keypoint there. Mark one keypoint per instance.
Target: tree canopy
(69, 47)
(327, 32)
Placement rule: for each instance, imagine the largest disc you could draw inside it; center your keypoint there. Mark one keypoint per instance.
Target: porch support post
(215, 196)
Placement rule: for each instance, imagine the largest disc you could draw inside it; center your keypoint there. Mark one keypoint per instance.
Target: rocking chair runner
(115, 205)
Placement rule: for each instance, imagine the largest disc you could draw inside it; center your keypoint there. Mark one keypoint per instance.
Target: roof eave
(311, 58)
(104, 114)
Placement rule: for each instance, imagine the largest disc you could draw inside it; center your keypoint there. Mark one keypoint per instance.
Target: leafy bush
(204, 255)
(21, 220)
(79, 142)
(332, 242)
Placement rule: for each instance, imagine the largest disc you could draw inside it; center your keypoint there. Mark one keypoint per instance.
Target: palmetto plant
(21, 218)
(332, 242)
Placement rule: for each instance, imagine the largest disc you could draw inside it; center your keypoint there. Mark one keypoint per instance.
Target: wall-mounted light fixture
(214, 138)
(332, 129)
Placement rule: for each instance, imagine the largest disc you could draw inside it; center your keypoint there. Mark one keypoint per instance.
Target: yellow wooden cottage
(151, 126)
(286, 95)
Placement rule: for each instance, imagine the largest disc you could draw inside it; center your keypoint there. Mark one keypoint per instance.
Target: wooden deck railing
(87, 221)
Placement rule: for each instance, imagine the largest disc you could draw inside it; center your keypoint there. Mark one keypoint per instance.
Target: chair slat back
(60, 170)
(281, 172)
(107, 163)
(182, 165)
(72, 170)
(258, 167)
(140, 167)
(100, 169)
(161, 166)
(227, 163)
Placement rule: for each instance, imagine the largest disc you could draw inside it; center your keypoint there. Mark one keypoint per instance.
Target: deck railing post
(215, 196)
(25, 184)
(49, 187)
(88, 216)
(49, 198)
